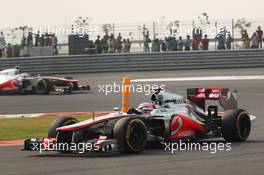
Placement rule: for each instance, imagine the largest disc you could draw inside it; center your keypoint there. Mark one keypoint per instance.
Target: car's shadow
(151, 150)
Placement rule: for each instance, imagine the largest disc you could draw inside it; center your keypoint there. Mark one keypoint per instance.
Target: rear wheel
(131, 133)
(236, 125)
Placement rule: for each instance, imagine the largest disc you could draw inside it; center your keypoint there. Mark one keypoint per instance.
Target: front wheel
(75, 85)
(59, 122)
(236, 125)
(131, 133)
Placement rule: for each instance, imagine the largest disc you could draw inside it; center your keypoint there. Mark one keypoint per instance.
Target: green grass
(22, 128)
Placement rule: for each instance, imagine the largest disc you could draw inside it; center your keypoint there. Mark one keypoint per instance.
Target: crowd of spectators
(38, 40)
(5, 48)
(255, 41)
(180, 44)
(118, 44)
(110, 44)
(31, 40)
(199, 41)
(2, 43)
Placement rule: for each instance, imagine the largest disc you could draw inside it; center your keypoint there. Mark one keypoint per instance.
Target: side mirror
(147, 109)
(117, 109)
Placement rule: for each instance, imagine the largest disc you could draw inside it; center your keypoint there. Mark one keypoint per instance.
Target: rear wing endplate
(227, 98)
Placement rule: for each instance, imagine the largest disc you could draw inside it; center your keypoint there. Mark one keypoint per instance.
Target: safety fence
(137, 62)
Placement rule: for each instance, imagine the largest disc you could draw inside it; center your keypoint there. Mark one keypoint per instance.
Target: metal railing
(137, 62)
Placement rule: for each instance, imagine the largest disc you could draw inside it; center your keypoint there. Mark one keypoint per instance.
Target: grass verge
(22, 128)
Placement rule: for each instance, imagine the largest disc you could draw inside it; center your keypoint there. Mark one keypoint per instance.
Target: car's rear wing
(226, 97)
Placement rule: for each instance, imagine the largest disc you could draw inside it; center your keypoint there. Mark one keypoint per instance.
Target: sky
(16, 13)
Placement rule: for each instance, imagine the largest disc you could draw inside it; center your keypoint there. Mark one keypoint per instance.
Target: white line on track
(209, 78)
(21, 115)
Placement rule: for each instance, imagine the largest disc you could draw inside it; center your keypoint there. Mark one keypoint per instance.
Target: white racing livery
(12, 81)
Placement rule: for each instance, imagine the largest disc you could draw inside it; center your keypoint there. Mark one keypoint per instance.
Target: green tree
(107, 28)
(242, 25)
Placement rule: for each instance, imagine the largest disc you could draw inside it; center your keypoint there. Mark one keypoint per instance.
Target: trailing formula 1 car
(167, 118)
(14, 82)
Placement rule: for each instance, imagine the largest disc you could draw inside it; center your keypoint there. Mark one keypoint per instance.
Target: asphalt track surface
(244, 158)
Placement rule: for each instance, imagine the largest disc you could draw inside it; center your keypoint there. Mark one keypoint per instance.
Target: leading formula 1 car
(168, 117)
(12, 81)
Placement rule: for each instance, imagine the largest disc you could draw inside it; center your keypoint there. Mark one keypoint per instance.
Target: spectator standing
(188, 43)
(169, 43)
(112, 44)
(174, 44)
(9, 51)
(2, 43)
(125, 49)
(220, 38)
(254, 41)
(196, 42)
(246, 40)
(229, 41)
(180, 44)
(23, 41)
(105, 45)
(23, 45)
(119, 37)
(163, 46)
(46, 39)
(98, 45)
(197, 32)
(106, 36)
(128, 45)
(260, 37)
(54, 43)
(197, 35)
(37, 39)
(146, 41)
(156, 45)
(118, 43)
(30, 39)
(205, 43)
(17, 51)
(42, 40)
(50, 41)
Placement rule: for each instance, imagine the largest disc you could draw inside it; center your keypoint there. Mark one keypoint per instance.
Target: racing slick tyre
(43, 87)
(61, 121)
(131, 133)
(236, 125)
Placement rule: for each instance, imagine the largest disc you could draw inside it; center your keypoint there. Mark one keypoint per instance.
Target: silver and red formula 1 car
(168, 117)
(14, 82)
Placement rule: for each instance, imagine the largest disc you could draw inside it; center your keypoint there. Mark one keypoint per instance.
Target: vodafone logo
(15, 84)
(176, 124)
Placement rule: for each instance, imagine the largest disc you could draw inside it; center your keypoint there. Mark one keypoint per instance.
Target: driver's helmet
(148, 106)
(18, 69)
